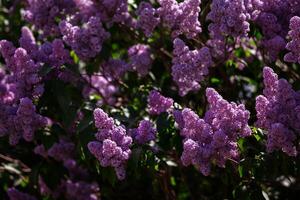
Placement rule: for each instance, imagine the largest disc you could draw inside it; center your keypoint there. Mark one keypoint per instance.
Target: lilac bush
(166, 99)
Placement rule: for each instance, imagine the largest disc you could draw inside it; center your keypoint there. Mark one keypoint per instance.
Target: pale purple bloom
(189, 66)
(294, 45)
(148, 18)
(145, 132)
(140, 58)
(112, 147)
(277, 113)
(158, 103)
(212, 139)
(182, 17)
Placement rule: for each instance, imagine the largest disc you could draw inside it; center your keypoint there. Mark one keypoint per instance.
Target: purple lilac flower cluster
(19, 86)
(26, 121)
(278, 113)
(212, 139)
(158, 103)
(182, 17)
(148, 18)
(110, 11)
(228, 18)
(52, 53)
(273, 18)
(189, 66)
(294, 45)
(144, 133)
(44, 13)
(86, 41)
(98, 84)
(114, 69)
(112, 147)
(140, 58)
(23, 71)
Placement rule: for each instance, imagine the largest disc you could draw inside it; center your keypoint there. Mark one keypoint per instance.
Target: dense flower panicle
(278, 113)
(7, 95)
(43, 13)
(110, 11)
(52, 53)
(140, 58)
(280, 137)
(253, 8)
(62, 150)
(23, 75)
(294, 45)
(273, 18)
(15, 194)
(97, 83)
(212, 139)
(189, 66)
(86, 9)
(177, 114)
(86, 41)
(182, 17)
(20, 121)
(7, 50)
(230, 117)
(115, 69)
(158, 103)
(27, 120)
(113, 145)
(229, 18)
(27, 41)
(59, 55)
(147, 18)
(145, 132)
(102, 120)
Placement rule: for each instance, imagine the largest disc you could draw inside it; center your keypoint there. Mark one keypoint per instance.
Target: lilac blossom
(277, 113)
(86, 41)
(112, 147)
(294, 45)
(140, 58)
(158, 103)
(182, 17)
(43, 14)
(189, 66)
(147, 18)
(212, 139)
(145, 132)
(98, 84)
